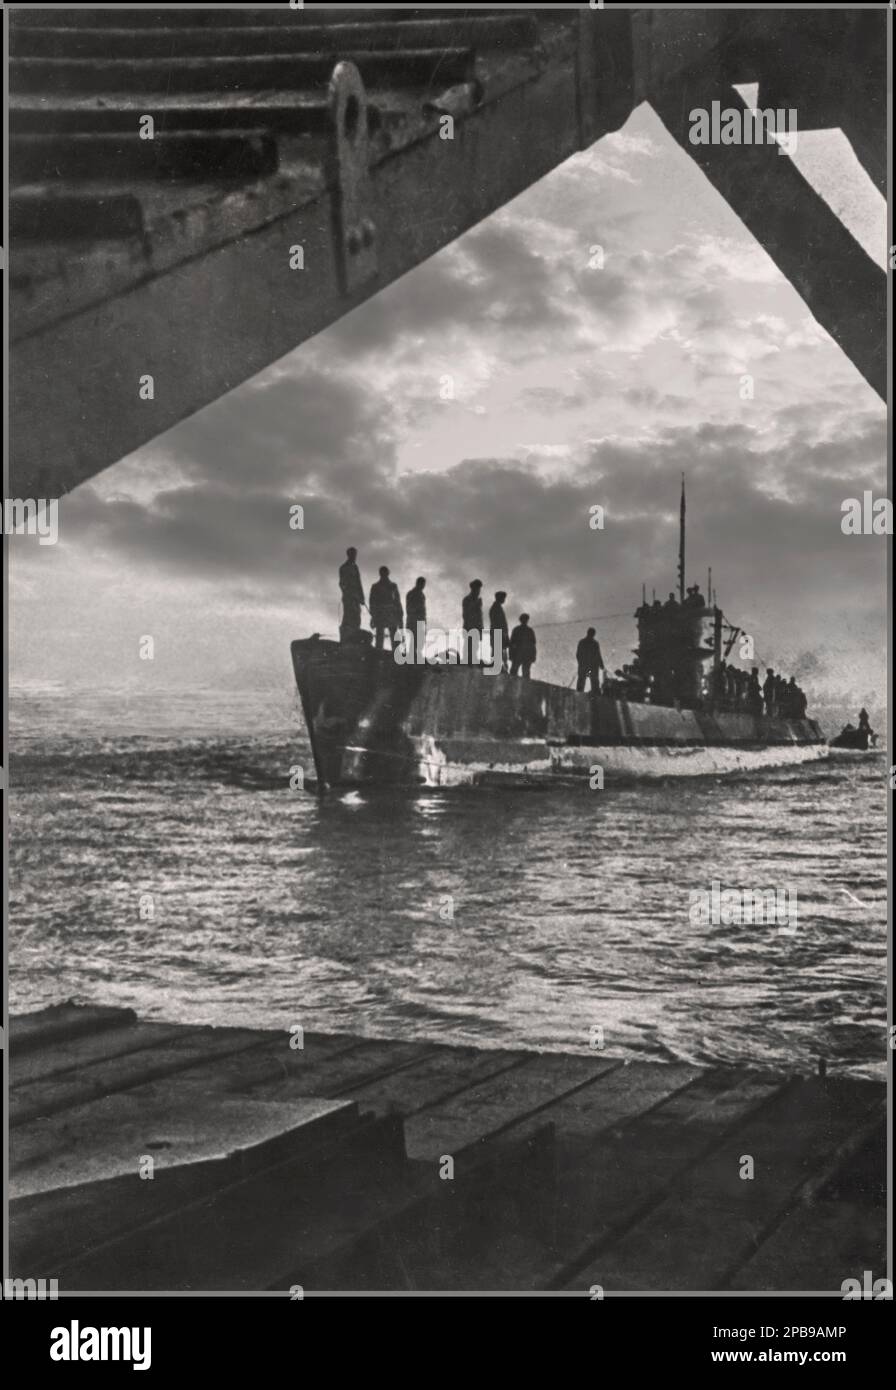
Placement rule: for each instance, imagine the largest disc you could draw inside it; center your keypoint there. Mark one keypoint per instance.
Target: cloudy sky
(595, 332)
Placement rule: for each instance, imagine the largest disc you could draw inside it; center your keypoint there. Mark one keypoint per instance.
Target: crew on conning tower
(684, 661)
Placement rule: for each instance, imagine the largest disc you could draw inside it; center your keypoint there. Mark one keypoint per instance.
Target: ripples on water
(570, 907)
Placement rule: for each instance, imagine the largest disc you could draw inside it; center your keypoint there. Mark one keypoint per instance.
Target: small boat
(859, 738)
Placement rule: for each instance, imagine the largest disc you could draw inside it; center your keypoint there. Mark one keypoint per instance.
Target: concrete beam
(841, 285)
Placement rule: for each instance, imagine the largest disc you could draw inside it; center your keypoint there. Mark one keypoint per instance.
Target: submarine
(375, 718)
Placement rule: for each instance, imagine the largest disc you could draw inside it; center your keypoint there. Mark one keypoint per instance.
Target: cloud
(297, 425)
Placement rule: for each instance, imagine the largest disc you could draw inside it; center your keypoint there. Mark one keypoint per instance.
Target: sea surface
(161, 860)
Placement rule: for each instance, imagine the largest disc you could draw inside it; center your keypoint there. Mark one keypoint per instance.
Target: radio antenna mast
(681, 545)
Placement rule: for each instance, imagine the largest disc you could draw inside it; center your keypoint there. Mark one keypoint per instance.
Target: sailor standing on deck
(780, 694)
(352, 595)
(589, 661)
(769, 691)
(497, 621)
(732, 685)
(385, 608)
(471, 608)
(415, 612)
(522, 648)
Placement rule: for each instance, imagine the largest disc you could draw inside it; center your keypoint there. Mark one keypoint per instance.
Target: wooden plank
(90, 1047)
(515, 1261)
(58, 1022)
(627, 1172)
(361, 1219)
(69, 1218)
(225, 1062)
(209, 1061)
(453, 1124)
(817, 1247)
(442, 1240)
(838, 1228)
(243, 1235)
(368, 1060)
(54, 1094)
(630, 1140)
(713, 1219)
(591, 1189)
(118, 1134)
(618, 1095)
(52, 1230)
(433, 1078)
(274, 1070)
(479, 31)
(514, 1246)
(263, 1063)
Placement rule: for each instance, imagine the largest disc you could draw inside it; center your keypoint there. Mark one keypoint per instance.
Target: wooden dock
(163, 1156)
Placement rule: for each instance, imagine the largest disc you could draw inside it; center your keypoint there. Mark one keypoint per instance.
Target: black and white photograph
(447, 527)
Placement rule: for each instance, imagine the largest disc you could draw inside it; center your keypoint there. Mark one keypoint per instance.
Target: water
(494, 918)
